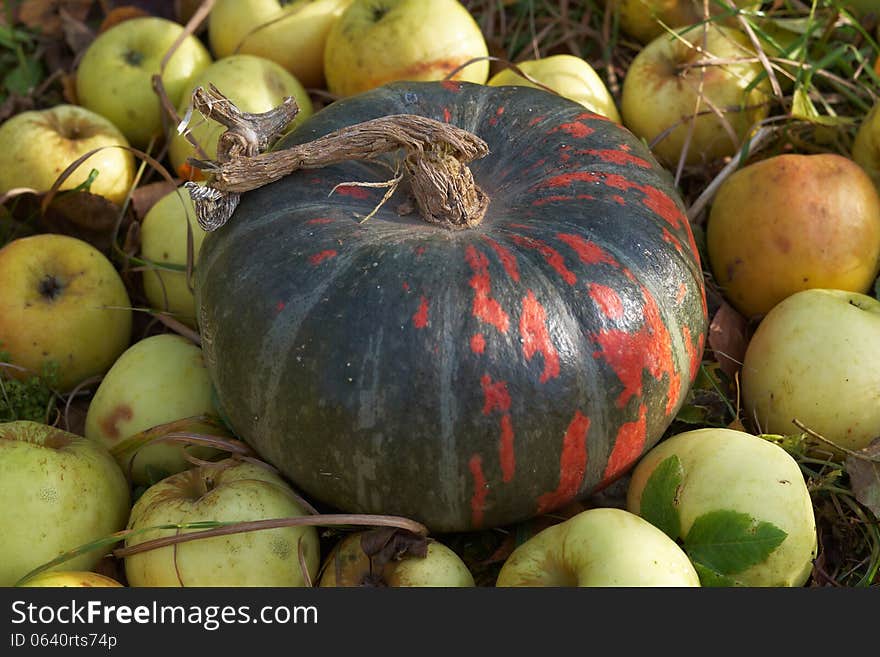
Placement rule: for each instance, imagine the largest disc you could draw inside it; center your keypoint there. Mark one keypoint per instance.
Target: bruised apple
(157, 380)
(567, 75)
(737, 503)
(815, 357)
(793, 222)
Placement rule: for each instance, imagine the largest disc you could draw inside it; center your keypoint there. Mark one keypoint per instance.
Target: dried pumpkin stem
(436, 159)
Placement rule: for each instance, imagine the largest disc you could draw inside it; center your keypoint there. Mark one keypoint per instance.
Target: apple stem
(435, 162)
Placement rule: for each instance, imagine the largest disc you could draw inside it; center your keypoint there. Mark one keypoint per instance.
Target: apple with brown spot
(157, 380)
(790, 223)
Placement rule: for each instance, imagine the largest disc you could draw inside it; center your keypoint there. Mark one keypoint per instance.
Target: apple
(866, 145)
(645, 19)
(567, 75)
(114, 76)
(158, 379)
(662, 92)
(58, 491)
(738, 503)
(291, 33)
(254, 84)
(379, 41)
(792, 222)
(63, 302)
(226, 491)
(164, 242)
(602, 546)
(38, 145)
(70, 578)
(348, 565)
(815, 357)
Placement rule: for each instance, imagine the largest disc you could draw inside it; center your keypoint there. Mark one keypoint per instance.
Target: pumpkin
(464, 378)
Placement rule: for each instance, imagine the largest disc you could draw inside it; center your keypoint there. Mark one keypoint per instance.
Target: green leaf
(24, 77)
(712, 578)
(659, 504)
(692, 414)
(728, 542)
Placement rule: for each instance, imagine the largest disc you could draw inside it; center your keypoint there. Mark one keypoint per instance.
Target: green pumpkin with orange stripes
(463, 378)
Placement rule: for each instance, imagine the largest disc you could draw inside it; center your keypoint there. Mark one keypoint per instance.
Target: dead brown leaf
(121, 14)
(864, 476)
(83, 215)
(386, 544)
(77, 34)
(728, 338)
(45, 15)
(145, 196)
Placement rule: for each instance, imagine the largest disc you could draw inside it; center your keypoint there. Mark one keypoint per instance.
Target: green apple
(603, 546)
(58, 491)
(158, 379)
(349, 565)
(663, 91)
(226, 491)
(37, 146)
(62, 302)
(648, 19)
(164, 241)
(866, 145)
(737, 502)
(69, 578)
(114, 76)
(791, 222)
(567, 75)
(815, 357)
(254, 84)
(289, 32)
(380, 41)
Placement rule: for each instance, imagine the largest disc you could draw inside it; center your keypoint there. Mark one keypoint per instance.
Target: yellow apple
(70, 578)
(254, 84)
(603, 546)
(567, 75)
(793, 222)
(291, 33)
(164, 241)
(645, 19)
(62, 302)
(157, 380)
(114, 76)
(349, 565)
(662, 88)
(58, 491)
(226, 491)
(815, 357)
(37, 146)
(380, 41)
(739, 504)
